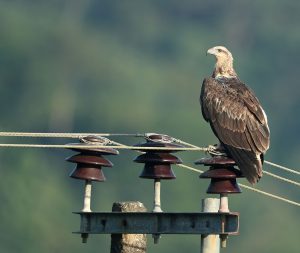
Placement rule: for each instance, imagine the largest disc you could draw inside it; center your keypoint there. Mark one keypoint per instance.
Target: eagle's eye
(219, 50)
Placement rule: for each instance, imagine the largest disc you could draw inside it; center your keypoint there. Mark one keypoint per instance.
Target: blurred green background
(137, 66)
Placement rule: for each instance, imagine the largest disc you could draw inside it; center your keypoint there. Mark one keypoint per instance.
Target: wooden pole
(210, 243)
(128, 243)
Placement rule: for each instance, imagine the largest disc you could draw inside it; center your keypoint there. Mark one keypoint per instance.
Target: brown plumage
(235, 115)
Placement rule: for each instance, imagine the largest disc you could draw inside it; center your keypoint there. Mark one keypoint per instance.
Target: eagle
(235, 116)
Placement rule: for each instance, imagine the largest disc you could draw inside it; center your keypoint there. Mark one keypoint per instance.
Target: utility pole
(129, 221)
(128, 243)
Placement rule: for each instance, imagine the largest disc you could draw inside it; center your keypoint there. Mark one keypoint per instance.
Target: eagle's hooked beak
(211, 51)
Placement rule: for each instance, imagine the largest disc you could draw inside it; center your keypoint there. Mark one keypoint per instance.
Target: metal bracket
(158, 223)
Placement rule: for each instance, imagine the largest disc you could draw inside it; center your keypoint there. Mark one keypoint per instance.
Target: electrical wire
(190, 147)
(281, 178)
(116, 145)
(283, 167)
(95, 146)
(62, 135)
(246, 186)
(249, 188)
(266, 162)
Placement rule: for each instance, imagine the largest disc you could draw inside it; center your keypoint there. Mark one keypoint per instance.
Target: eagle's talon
(214, 150)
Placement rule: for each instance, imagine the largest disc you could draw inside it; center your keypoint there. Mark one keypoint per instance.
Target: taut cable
(281, 178)
(116, 145)
(62, 135)
(266, 162)
(69, 146)
(249, 188)
(282, 167)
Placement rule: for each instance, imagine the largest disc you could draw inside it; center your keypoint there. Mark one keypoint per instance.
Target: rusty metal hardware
(158, 223)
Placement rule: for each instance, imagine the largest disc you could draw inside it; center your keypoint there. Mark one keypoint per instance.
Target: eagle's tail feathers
(248, 162)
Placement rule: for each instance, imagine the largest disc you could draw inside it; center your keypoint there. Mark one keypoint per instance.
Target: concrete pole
(128, 243)
(210, 243)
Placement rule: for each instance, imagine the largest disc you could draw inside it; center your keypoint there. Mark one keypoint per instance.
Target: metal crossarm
(158, 223)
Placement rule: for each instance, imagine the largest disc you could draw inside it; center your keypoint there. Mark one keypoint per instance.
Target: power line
(271, 195)
(266, 162)
(190, 147)
(242, 185)
(281, 178)
(80, 135)
(62, 135)
(95, 146)
(117, 145)
(249, 188)
(283, 167)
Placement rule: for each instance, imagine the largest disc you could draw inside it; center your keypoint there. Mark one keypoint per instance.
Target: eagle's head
(224, 63)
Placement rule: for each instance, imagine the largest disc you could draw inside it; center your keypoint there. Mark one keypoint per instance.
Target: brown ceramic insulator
(98, 151)
(84, 172)
(216, 161)
(89, 167)
(218, 186)
(159, 145)
(89, 159)
(158, 162)
(90, 162)
(153, 137)
(159, 141)
(160, 158)
(157, 171)
(222, 174)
